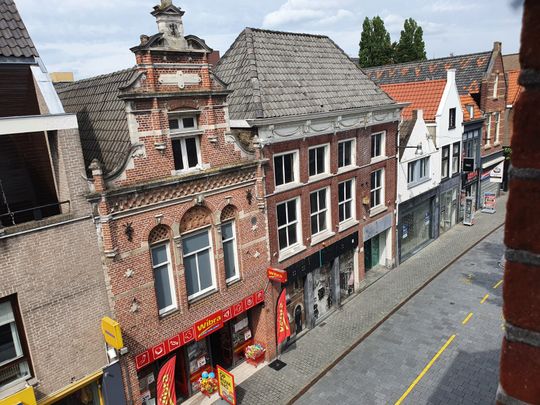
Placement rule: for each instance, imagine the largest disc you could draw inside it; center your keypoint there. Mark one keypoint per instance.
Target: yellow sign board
(24, 397)
(112, 333)
(226, 386)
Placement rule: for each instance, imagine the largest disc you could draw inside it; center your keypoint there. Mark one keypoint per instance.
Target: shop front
(417, 223)
(320, 283)
(492, 176)
(469, 189)
(378, 243)
(219, 339)
(449, 203)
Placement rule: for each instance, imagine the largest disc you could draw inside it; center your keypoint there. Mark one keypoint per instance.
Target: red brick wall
(362, 176)
(520, 358)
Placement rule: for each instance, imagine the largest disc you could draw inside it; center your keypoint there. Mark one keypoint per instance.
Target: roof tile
(14, 38)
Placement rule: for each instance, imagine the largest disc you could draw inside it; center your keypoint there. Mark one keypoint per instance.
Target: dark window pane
(278, 169)
(312, 168)
(289, 175)
(292, 234)
(188, 122)
(282, 214)
(322, 221)
(320, 160)
(192, 282)
(227, 231)
(159, 255)
(313, 202)
(342, 212)
(291, 210)
(163, 287)
(341, 191)
(191, 150)
(347, 210)
(348, 153)
(322, 199)
(173, 124)
(177, 155)
(314, 225)
(341, 157)
(205, 270)
(282, 238)
(7, 345)
(228, 259)
(195, 242)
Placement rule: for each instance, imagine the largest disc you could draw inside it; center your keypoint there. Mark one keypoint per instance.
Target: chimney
(61, 77)
(497, 46)
(451, 76)
(418, 114)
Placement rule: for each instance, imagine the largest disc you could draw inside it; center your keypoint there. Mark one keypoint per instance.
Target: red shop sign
(276, 275)
(208, 325)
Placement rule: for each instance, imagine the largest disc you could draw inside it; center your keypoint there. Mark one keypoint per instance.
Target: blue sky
(90, 37)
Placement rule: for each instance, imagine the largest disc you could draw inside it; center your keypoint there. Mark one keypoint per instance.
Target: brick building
(479, 76)
(180, 208)
(328, 136)
(52, 289)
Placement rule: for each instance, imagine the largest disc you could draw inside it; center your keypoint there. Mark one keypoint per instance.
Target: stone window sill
(290, 252)
(377, 210)
(349, 223)
(318, 238)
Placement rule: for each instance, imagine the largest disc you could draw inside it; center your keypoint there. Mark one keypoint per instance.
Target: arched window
(228, 239)
(197, 251)
(162, 267)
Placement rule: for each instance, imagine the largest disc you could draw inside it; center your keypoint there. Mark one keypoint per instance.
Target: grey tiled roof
(278, 74)
(101, 115)
(470, 70)
(14, 39)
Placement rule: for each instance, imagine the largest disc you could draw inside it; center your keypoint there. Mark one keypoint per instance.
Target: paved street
(319, 349)
(383, 367)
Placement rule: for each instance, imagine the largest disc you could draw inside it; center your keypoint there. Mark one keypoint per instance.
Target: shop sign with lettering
(208, 325)
(276, 275)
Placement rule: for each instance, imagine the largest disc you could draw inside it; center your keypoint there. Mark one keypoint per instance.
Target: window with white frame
(496, 86)
(377, 145)
(319, 211)
(417, 171)
(230, 257)
(346, 200)
(163, 278)
(285, 168)
(346, 153)
(318, 157)
(497, 126)
(288, 224)
(186, 153)
(456, 151)
(445, 161)
(470, 110)
(452, 118)
(183, 124)
(198, 263)
(13, 359)
(488, 130)
(377, 188)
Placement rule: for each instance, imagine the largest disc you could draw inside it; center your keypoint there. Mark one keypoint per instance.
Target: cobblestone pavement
(318, 350)
(381, 368)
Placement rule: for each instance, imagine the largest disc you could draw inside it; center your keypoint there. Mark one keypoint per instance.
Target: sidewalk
(317, 351)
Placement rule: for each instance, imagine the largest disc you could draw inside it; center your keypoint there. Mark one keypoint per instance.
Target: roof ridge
(427, 60)
(254, 74)
(287, 32)
(414, 83)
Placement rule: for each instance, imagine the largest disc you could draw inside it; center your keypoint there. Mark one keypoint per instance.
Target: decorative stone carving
(180, 79)
(195, 218)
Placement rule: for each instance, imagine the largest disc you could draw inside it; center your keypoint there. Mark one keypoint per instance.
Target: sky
(92, 37)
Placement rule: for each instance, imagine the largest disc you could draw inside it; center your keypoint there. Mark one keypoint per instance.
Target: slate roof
(279, 74)
(470, 70)
(511, 62)
(513, 88)
(14, 38)
(101, 115)
(424, 96)
(468, 100)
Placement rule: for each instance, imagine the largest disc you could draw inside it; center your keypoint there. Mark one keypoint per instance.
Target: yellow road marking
(467, 318)
(425, 370)
(484, 299)
(498, 284)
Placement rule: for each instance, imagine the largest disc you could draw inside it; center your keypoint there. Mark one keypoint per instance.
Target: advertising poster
(226, 385)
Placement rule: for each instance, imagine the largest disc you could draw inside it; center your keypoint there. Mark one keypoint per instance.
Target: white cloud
(442, 6)
(394, 23)
(298, 11)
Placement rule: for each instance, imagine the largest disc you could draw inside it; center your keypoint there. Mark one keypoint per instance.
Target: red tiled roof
(513, 87)
(424, 96)
(468, 100)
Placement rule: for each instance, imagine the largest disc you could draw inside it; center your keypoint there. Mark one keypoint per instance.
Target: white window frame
(325, 211)
(295, 174)
(379, 189)
(382, 146)
(488, 130)
(353, 153)
(496, 86)
(417, 177)
(346, 200)
(326, 160)
(448, 160)
(236, 275)
(9, 318)
(183, 149)
(170, 275)
(213, 287)
(297, 222)
(497, 127)
(470, 110)
(180, 119)
(455, 170)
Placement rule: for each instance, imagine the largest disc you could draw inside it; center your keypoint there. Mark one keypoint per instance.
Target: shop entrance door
(371, 253)
(221, 347)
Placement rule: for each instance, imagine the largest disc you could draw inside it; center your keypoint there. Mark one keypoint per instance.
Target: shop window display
(295, 306)
(346, 274)
(198, 362)
(322, 285)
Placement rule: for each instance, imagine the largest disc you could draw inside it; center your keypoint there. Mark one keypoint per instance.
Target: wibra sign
(208, 325)
(199, 330)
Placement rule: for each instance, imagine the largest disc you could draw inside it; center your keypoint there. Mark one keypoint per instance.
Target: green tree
(375, 46)
(411, 45)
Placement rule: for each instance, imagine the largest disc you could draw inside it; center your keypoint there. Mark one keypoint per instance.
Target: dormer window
(185, 138)
(187, 123)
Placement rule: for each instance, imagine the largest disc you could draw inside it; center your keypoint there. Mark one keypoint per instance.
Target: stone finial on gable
(170, 25)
